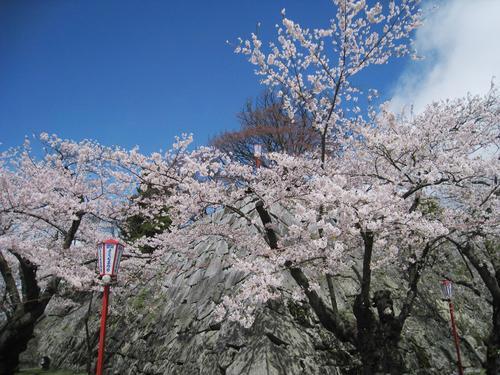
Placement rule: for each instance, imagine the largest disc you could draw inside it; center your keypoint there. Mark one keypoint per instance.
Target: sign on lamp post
(109, 253)
(447, 291)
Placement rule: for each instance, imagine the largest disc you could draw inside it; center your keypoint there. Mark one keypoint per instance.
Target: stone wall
(173, 330)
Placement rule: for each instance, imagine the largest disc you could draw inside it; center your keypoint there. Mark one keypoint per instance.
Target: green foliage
(430, 206)
(300, 312)
(139, 226)
(492, 247)
(139, 302)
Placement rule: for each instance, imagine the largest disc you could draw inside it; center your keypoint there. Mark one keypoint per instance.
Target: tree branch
(10, 282)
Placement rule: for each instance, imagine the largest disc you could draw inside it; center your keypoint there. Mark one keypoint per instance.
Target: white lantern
(447, 289)
(109, 253)
(257, 151)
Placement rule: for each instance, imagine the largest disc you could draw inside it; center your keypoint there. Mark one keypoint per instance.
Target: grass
(36, 371)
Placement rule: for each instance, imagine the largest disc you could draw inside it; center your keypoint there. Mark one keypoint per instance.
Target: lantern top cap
(112, 241)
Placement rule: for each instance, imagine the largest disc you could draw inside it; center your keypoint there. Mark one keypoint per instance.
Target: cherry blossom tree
(314, 70)
(401, 190)
(470, 194)
(53, 209)
(309, 217)
(382, 192)
(449, 161)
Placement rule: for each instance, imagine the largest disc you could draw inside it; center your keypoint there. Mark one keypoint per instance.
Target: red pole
(102, 331)
(455, 336)
(257, 162)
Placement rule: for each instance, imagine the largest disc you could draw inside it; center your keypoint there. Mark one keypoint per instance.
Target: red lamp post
(257, 153)
(447, 291)
(109, 253)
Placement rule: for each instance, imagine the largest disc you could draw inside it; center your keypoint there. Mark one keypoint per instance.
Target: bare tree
(265, 122)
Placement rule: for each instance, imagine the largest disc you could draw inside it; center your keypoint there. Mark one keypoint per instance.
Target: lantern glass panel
(108, 257)
(257, 150)
(447, 289)
(116, 265)
(99, 258)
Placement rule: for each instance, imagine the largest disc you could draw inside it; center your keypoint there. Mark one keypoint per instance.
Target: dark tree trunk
(14, 339)
(365, 341)
(17, 332)
(493, 343)
(378, 337)
(330, 319)
(388, 334)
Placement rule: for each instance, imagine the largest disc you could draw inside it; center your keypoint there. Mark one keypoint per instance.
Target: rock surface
(173, 330)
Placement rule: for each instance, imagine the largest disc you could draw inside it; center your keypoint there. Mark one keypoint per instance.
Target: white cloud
(461, 44)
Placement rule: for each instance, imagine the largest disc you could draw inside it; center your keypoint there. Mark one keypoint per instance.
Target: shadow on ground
(47, 372)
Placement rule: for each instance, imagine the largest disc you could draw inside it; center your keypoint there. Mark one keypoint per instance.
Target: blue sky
(136, 72)
(131, 72)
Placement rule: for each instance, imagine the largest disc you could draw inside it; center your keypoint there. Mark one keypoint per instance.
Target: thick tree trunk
(388, 334)
(14, 339)
(367, 324)
(365, 340)
(378, 338)
(330, 319)
(17, 332)
(493, 343)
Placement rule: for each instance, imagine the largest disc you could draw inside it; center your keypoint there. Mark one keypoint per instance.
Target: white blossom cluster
(407, 182)
(315, 69)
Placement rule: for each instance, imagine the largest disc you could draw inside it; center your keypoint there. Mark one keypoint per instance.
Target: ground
(36, 371)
